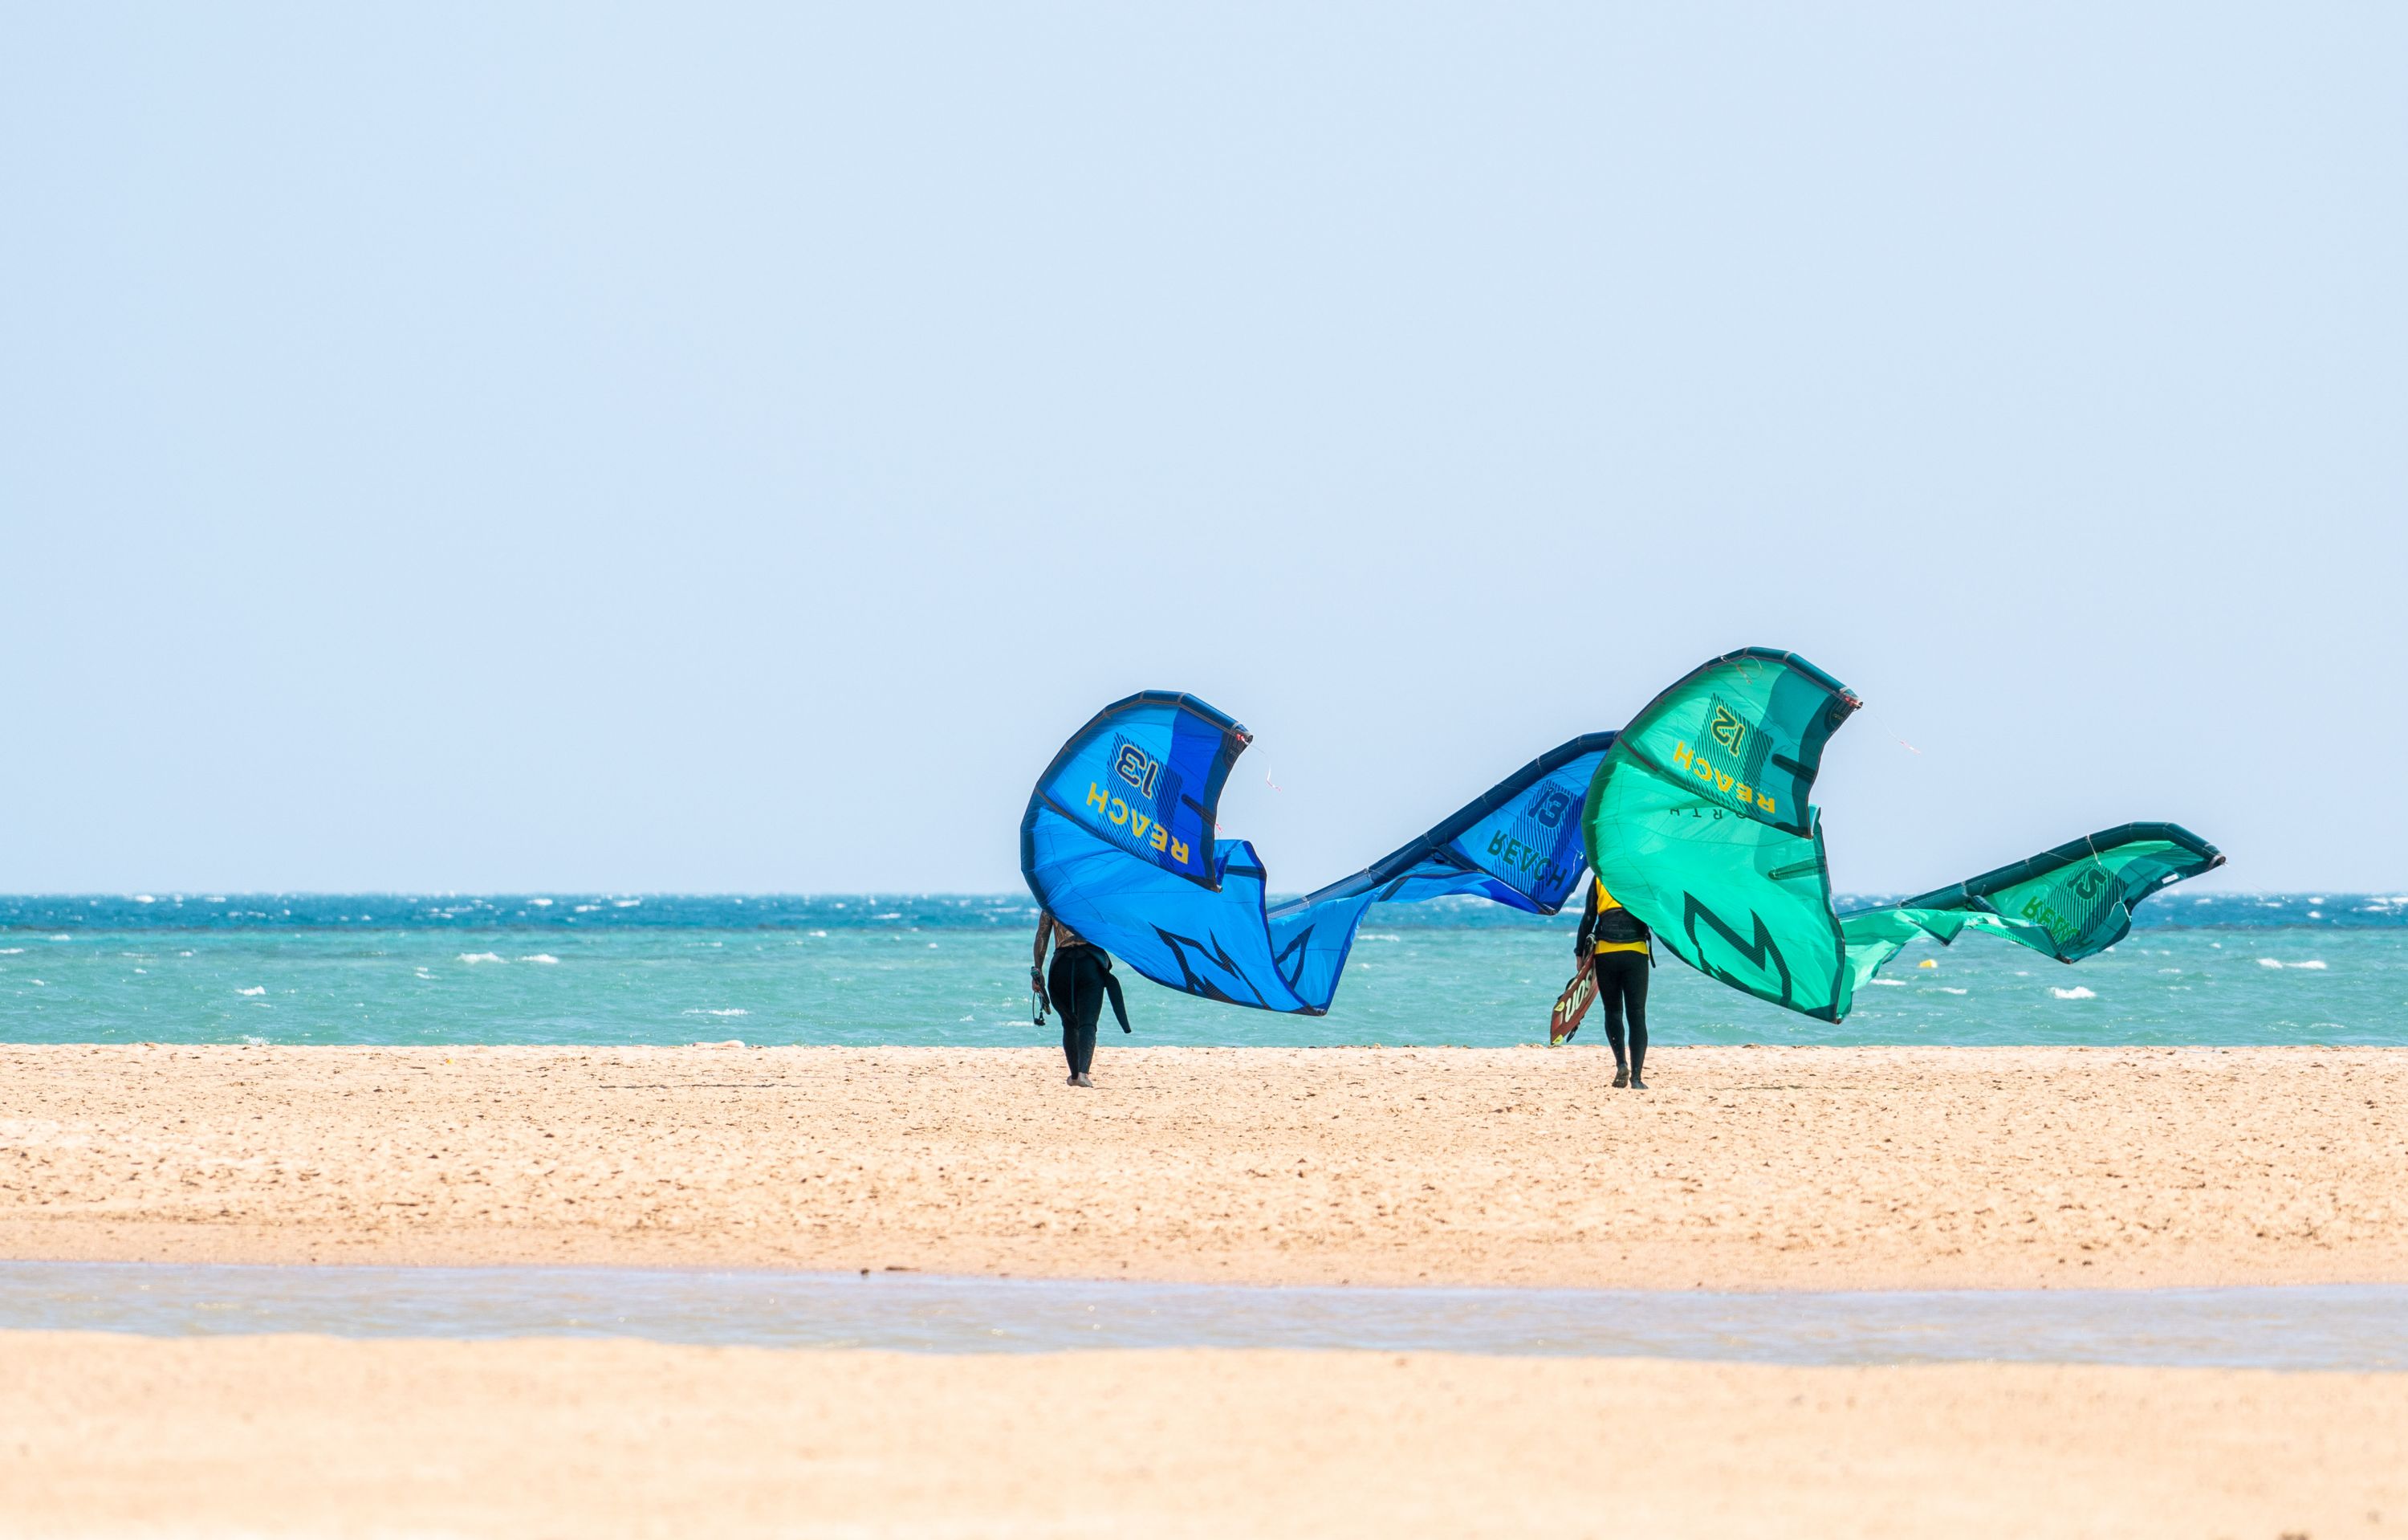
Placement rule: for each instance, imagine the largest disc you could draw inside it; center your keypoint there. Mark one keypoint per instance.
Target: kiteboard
(1572, 1004)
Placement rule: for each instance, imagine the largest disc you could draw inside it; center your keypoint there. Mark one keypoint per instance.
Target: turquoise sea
(2225, 969)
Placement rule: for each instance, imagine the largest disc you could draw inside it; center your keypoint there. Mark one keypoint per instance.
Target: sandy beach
(305, 1435)
(1744, 1167)
(1760, 1169)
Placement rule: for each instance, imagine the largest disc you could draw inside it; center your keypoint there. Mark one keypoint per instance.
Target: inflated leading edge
(1119, 843)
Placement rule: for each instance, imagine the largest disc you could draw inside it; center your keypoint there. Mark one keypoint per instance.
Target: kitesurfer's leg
(1609, 997)
(1076, 982)
(1621, 985)
(1632, 967)
(1061, 984)
(1087, 1007)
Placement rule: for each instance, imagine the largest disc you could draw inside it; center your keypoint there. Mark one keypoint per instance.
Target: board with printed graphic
(1572, 1004)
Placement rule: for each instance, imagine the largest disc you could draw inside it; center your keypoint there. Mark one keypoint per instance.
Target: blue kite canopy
(1119, 843)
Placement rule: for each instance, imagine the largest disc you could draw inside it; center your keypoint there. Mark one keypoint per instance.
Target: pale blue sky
(724, 448)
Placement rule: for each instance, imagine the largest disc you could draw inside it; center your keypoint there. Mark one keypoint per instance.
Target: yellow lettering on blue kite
(1144, 829)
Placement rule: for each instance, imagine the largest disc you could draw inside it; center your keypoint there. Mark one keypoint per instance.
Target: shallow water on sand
(2226, 970)
(2358, 1328)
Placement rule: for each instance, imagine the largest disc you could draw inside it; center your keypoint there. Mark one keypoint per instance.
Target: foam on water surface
(953, 969)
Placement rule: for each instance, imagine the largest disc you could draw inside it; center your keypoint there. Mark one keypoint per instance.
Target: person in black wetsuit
(1076, 986)
(1615, 942)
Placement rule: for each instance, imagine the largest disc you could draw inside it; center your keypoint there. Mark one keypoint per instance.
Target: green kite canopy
(2071, 902)
(1698, 821)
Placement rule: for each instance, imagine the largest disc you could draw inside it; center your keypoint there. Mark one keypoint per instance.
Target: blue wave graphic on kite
(1119, 843)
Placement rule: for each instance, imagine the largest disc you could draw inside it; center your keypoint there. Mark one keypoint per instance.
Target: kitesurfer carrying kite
(1076, 986)
(1615, 944)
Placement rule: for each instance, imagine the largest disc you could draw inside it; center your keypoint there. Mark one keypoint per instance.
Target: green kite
(2071, 902)
(1698, 822)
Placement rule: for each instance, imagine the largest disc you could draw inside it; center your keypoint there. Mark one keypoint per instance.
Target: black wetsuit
(1621, 976)
(1079, 982)
(1622, 988)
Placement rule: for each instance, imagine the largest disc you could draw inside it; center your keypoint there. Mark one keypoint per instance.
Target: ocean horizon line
(2397, 894)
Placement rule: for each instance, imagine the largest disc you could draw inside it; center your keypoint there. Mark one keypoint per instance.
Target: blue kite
(1119, 843)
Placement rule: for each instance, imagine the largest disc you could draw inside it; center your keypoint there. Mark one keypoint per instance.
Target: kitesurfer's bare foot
(1073, 1080)
(1088, 1081)
(1621, 1076)
(1636, 1084)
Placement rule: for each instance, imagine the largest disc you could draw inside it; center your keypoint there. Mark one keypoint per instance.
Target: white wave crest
(1893, 983)
(539, 904)
(2077, 992)
(1946, 990)
(541, 957)
(254, 989)
(2278, 962)
(480, 957)
(732, 1011)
